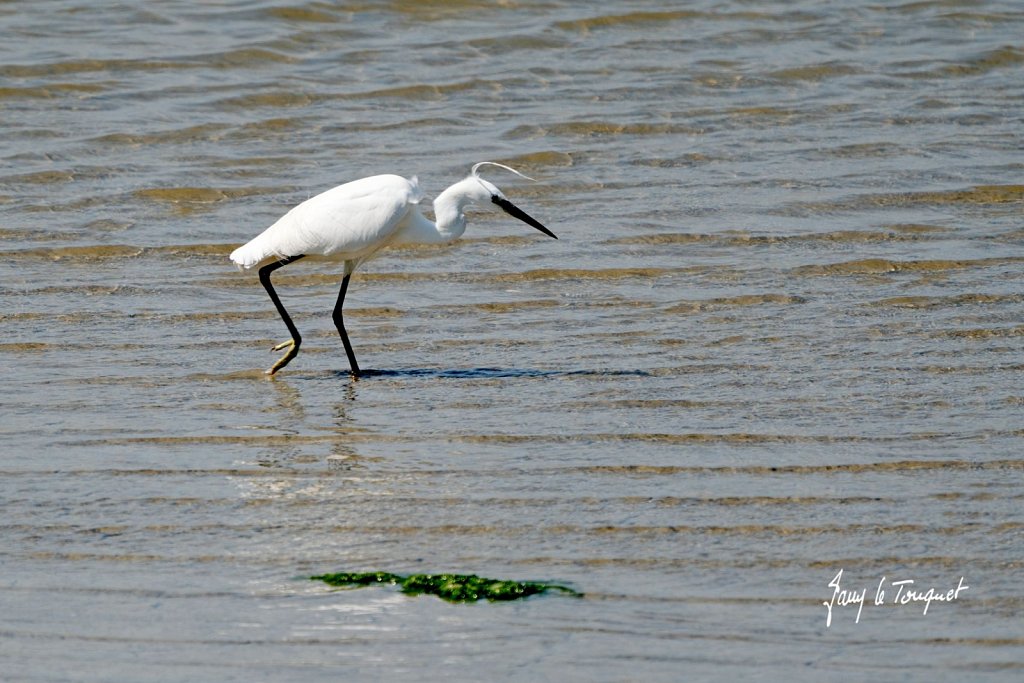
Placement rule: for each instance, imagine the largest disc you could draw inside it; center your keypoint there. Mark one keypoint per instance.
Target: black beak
(514, 211)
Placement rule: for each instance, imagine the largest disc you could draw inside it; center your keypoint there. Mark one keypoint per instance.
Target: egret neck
(449, 209)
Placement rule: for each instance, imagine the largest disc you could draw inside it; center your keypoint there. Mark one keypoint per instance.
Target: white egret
(351, 223)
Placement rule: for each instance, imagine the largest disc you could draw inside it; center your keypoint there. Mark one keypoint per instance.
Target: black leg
(339, 322)
(296, 340)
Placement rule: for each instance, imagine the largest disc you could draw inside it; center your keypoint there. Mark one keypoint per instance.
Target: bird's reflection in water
(343, 457)
(312, 429)
(289, 404)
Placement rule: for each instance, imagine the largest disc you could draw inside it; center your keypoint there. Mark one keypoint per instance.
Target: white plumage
(353, 222)
(350, 222)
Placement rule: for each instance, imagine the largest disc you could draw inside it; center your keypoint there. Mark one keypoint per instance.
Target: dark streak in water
(495, 373)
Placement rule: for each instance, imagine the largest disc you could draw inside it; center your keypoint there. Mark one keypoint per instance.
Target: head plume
(474, 174)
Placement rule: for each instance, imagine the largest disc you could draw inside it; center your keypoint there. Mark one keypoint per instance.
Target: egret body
(351, 223)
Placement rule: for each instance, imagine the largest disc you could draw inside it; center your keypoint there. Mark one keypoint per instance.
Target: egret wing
(350, 222)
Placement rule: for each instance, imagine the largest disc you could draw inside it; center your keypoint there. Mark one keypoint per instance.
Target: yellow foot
(293, 350)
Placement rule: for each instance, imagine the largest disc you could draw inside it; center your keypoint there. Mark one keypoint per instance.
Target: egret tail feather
(251, 253)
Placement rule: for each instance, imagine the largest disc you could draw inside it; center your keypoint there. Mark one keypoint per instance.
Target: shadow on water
(490, 373)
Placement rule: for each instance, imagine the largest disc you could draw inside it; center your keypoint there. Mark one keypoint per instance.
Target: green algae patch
(450, 587)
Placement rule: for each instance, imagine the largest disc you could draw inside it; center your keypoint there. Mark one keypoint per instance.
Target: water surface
(780, 336)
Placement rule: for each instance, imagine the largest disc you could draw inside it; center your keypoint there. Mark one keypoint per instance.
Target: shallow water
(780, 336)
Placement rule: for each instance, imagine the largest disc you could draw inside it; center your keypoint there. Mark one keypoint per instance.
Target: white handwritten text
(905, 593)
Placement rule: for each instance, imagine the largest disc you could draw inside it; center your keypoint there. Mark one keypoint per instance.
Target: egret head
(492, 194)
